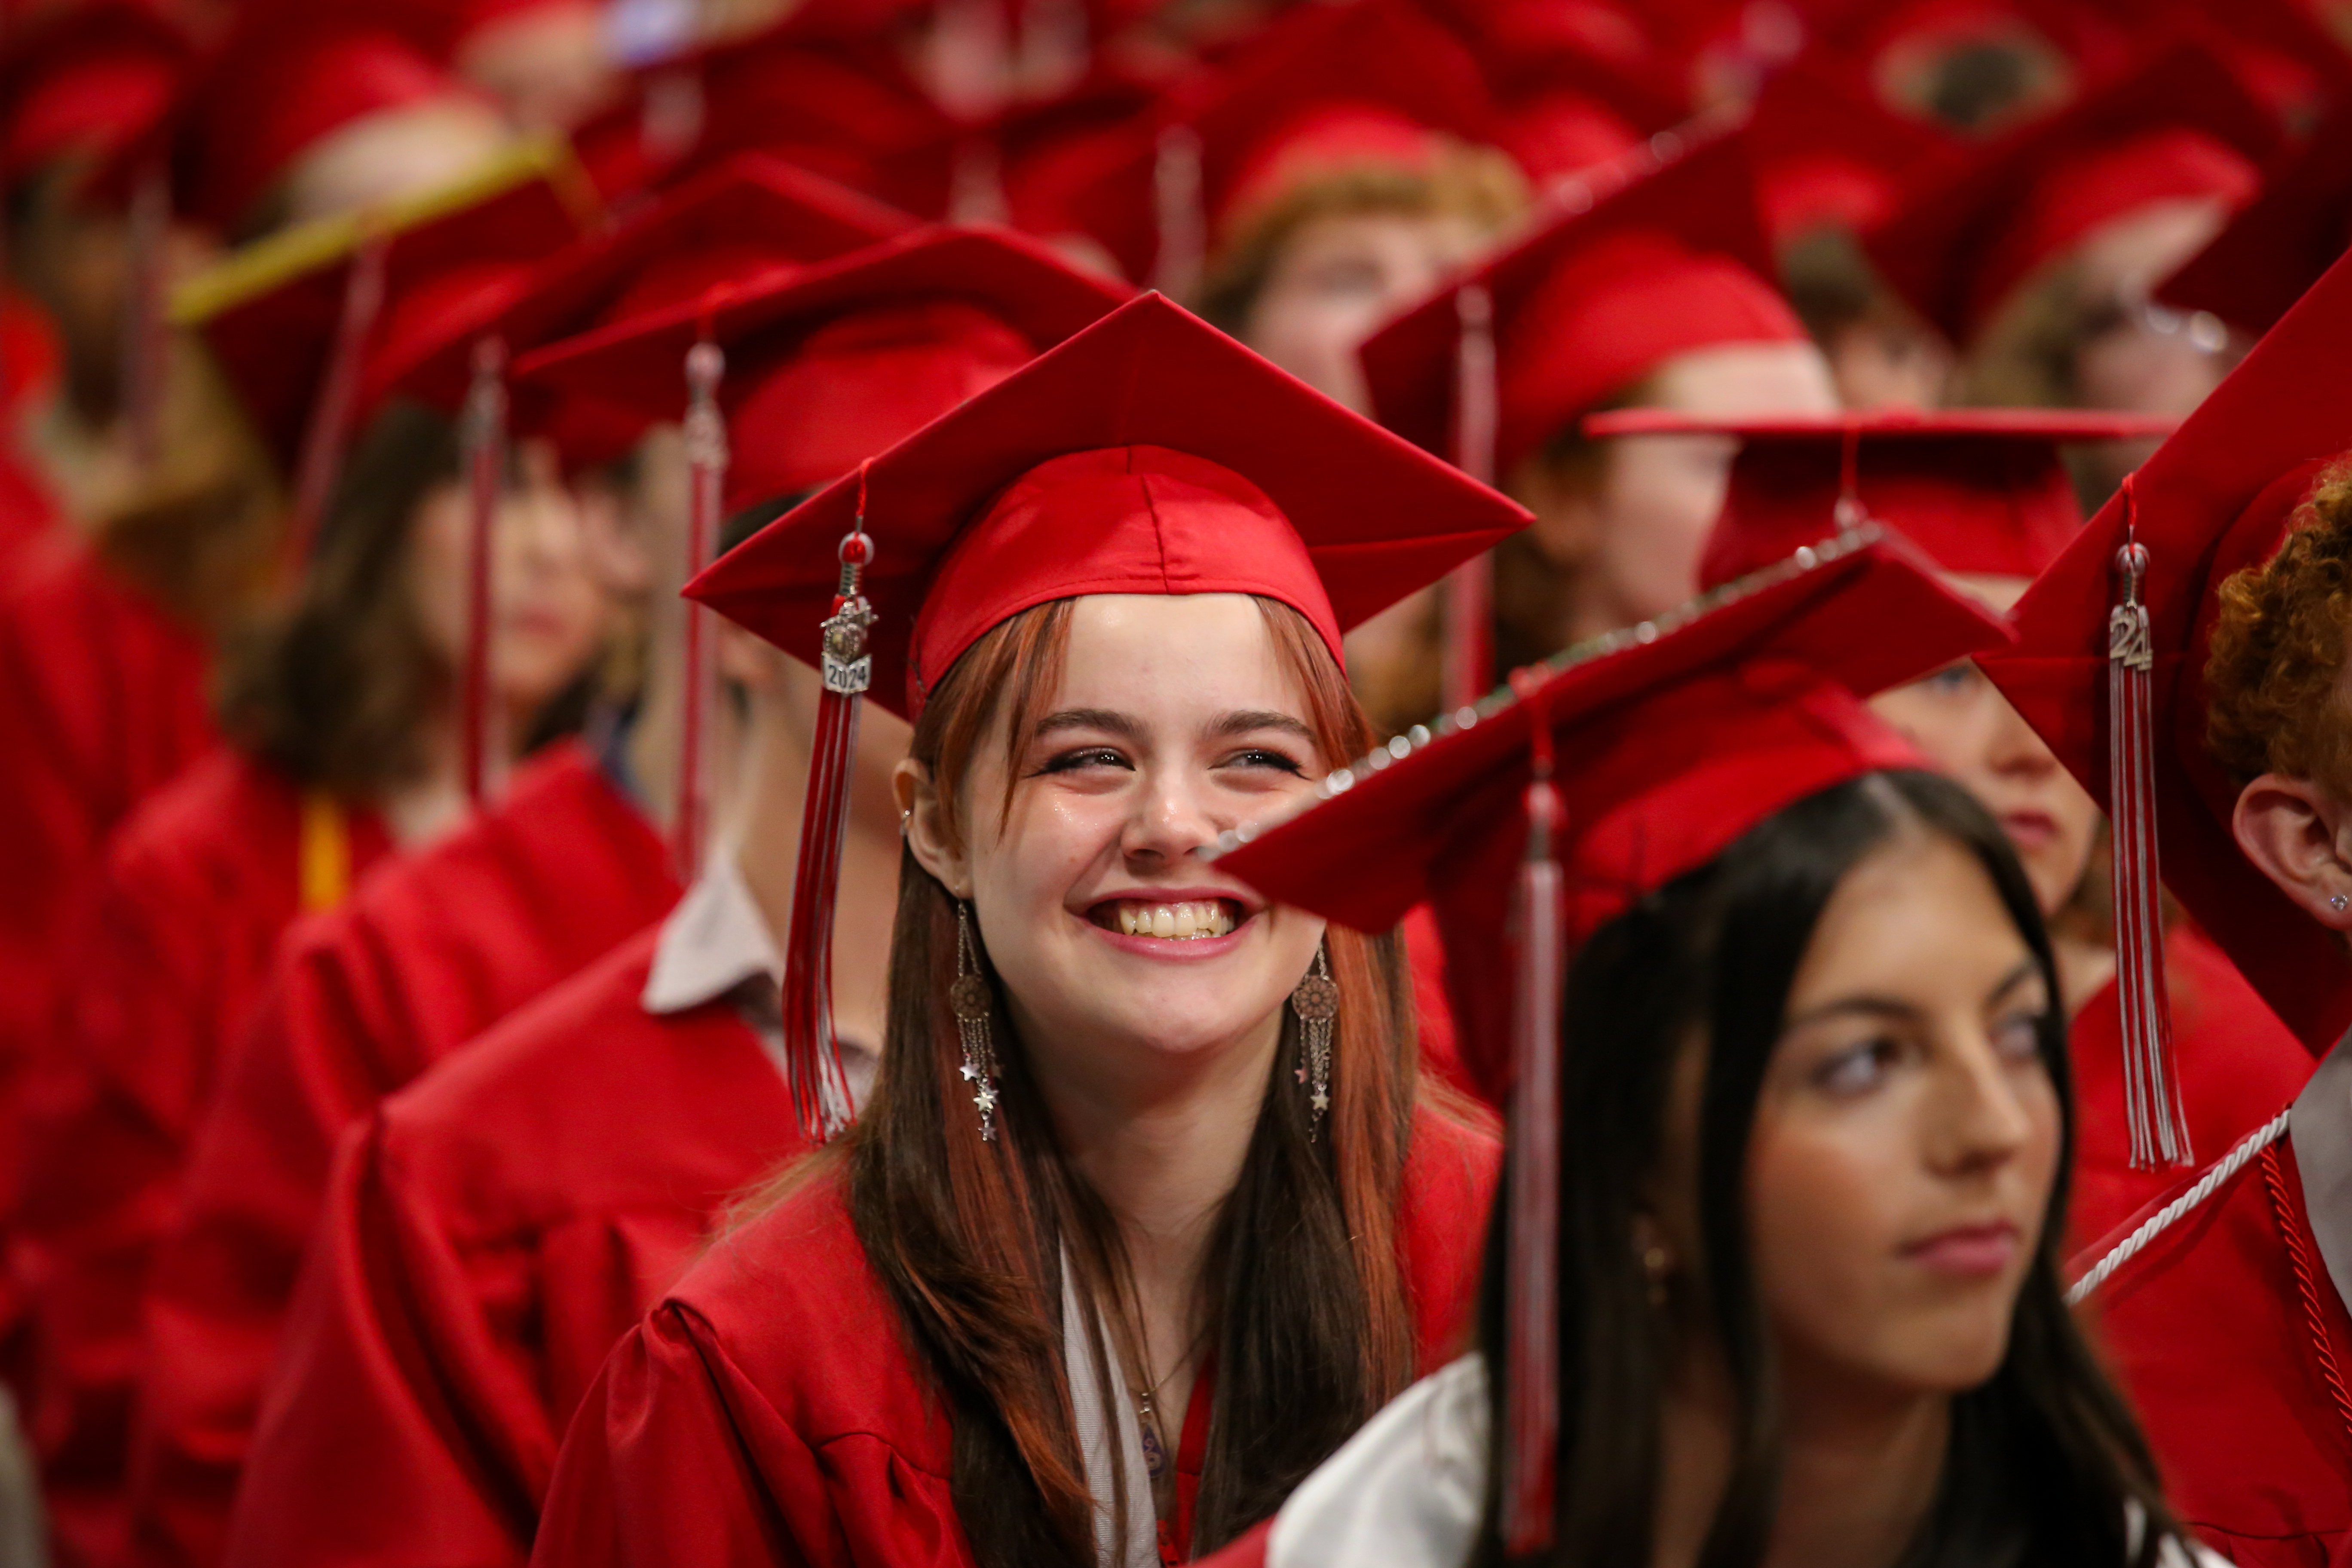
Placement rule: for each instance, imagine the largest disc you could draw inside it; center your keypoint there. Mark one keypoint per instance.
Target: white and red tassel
(486, 462)
(813, 1070)
(1180, 214)
(2152, 1105)
(1468, 609)
(1531, 1301)
(707, 457)
(331, 416)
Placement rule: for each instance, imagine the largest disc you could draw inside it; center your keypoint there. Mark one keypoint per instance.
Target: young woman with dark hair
(1794, 1170)
(1146, 1211)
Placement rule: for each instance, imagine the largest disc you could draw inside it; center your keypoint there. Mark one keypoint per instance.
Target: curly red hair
(2276, 680)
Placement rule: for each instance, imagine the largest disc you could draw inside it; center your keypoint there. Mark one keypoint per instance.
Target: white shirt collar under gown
(1407, 1491)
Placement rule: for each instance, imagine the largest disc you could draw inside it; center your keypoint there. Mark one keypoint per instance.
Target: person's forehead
(1206, 650)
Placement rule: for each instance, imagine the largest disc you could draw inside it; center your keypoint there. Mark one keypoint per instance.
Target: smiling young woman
(1145, 1212)
(1788, 1152)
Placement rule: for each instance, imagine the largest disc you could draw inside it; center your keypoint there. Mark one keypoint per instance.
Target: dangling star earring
(1316, 1000)
(970, 999)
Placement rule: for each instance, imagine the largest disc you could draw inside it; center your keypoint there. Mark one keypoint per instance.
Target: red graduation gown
(2238, 1064)
(363, 1001)
(169, 953)
(488, 1239)
(768, 1412)
(2234, 1345)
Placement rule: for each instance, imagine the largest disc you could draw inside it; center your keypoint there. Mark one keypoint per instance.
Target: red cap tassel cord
(2159, 1127)
(707, 457)
(819, 1088)
(1531, 1313)
(144, 343)
(330, 416)
(485, 460)
(1470, 587)
(1180, 211)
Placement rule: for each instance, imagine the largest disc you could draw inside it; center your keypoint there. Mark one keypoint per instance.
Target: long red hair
(1304, 1294)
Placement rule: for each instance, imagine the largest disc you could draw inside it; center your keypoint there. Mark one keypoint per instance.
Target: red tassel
(813, 1069)
(485, 461)
(1532, 1310)
(2152, 1107)
(1178, 206)
(707, 457)
(331, 416)
(144, 343)
(1469, 668)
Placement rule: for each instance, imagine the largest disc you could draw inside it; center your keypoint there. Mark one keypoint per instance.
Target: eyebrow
(1243, 722)
(1888, 1007)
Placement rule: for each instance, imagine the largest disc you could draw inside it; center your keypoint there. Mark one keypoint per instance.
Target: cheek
(1821, 1227)
(1659, 514)
(1946, 732)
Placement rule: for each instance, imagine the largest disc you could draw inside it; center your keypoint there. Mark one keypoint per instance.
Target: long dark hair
(1306, 1308)
(2045, 1459)
(335, 688)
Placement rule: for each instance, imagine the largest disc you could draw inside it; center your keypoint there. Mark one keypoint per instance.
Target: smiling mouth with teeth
(1186, 921)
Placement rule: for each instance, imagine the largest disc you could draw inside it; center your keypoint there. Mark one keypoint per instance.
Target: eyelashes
(1085, 757)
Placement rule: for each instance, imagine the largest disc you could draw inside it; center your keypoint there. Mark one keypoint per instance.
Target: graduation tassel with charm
(1469, 588)
(1530, 1308)
(2158, 1125)
(707, 457)
(486, 457)
(819, 1085)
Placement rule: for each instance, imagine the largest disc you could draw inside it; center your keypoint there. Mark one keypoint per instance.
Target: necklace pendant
(1155, 1460)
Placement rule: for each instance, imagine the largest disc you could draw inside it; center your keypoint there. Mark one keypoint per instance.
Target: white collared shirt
(716, 944)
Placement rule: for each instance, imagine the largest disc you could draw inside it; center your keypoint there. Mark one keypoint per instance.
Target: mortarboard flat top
(881, 341)
(1658, 255)
(1983, 491)
(1150, 453)
(2280, 242)
(2215, 498)
(451, 260)
(85, 75)
(2179, 126)
(1674, 739)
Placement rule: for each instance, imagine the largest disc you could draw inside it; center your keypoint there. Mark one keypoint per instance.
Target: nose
(2015, 751)
(1983, 1121)
(1169, 822)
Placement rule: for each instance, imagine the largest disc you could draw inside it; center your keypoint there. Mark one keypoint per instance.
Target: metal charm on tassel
(1470, 587)
(485, 461)
(1531, 1316)
(2152, 1108)
(819, 1088)
(707, 457)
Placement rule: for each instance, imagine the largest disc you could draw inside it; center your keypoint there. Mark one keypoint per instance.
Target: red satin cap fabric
(831, 364)
(1635, 265)
(84, 76)
(2180, 127)
(453, 261)
(1983, 491)
(2216, 496)
(1148, 454)
(2280, 242)
(1828, 155)
(1670, 749)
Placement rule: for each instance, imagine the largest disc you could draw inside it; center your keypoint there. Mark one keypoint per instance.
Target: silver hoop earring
(1316, 1000)
(970, 999)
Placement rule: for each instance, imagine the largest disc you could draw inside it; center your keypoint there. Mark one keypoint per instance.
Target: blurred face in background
(396, 153)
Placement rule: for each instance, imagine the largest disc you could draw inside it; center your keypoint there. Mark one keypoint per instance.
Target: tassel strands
(1532, 1326)
(1470, 587)
(330, 416)
(1177, 209)
(145, 345)
(820, 1086)
(485, 461)
(707, 457)
(2159, 1128)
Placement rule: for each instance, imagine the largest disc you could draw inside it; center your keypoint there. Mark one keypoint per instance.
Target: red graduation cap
(1148, 454)
(1983, 491)
(2279, 243)
(1684, 733)
(831, 364)
(1325, 89)
(85, 75)
(1829, 154)
(1653, 257)
(2179, 127)
(2091, 38)
(2219, 496)
(749, 220)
